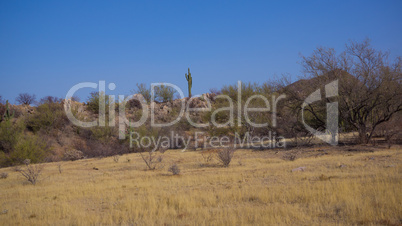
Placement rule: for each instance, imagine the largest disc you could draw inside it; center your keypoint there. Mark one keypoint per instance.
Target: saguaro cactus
(7, 114)
(190, 82)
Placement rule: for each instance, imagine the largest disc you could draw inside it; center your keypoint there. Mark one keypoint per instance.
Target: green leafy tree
(47, 116)
(30, 147)
(9, 134)
(94, 100)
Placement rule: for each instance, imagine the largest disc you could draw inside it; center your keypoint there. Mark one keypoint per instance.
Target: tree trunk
(363, 138)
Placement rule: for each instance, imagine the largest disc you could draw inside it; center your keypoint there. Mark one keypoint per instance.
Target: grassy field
(340, 185)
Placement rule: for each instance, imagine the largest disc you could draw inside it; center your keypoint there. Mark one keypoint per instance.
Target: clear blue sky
(46, 47)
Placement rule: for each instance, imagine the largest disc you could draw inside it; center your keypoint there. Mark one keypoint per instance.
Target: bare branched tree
(31, 172)
(152, 159)
(370, 89)
(25, 98)
(391, 130)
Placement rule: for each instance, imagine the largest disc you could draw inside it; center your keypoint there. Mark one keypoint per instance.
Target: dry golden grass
(258, 188)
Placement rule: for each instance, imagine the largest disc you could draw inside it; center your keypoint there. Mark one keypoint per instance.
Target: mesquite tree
(370, 89)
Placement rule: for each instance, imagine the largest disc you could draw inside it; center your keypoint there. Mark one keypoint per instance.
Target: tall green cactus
(190, 82)
(7, 114)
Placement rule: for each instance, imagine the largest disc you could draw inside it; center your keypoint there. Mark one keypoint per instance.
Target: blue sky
(46, 47)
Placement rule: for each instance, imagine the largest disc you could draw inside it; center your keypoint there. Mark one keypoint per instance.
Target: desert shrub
(134, 104)
(184, 125)
(95, 148)
(174, 169)
(75, 98)
(10, 136)
(31, 172)
(215, 91)
(25, 98)
(167, 132)
(116, 158)
(144, 91)
(17, 111)
(4, 159)
(49, 100)
(47, 116)
(225, 156)
(103, 133)
(3, 175)
(323, 177)
(2, 109)
(59, 168)
(94, 99)
(219, 116)
(93, 102)
(289, 156)
(10, 132)
(164, 93)
(207, 157)
(152, 160)
(73, 155)
(247, 90)
(84, 133)
(30, 147)
(143, 131)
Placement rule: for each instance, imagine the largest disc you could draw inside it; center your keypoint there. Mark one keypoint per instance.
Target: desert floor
(339, 185)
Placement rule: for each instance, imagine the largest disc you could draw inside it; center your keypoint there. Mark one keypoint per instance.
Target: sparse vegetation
(174, 169)
(59, 166)
(50, 100)
(3, 175)
(225, 156)
(31, 172)
(207, 157)
(261, 191)
(290, 156)
(152, 160)
(162, 93)
(47, 117)
(116, 158)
